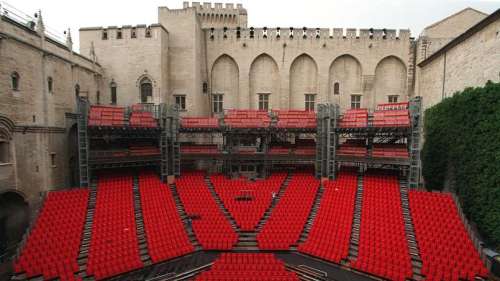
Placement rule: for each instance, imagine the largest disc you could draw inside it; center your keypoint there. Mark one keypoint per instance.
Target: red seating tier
(390, 151)
(445, 247)
(354, 118)
(331, 231)
(247, 267)
(247, 118)
(391, 118)
(144, 150)
(352, 150)
(107, 116)
(212, 229)
(113, 247)
(295, 119)
(54, 242)
(199, 122)
(304, 150)
(392, 106)
(279, 150)
(200, 149)
(165, 233)
(247, 213)
(142, 119)
(383, 248)
(287, 220)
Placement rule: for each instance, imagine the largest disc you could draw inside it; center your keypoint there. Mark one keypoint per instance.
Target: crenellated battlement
(306, 33)
(140, 31)
(219, 15)
(215, 7)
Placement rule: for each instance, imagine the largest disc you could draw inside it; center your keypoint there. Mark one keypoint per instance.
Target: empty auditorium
(199, 148)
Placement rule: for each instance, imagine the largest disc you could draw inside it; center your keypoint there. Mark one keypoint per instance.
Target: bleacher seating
(353, 150)
(278, 150)
(331, 231)
(199, 122)
(106, 116)
(143, 119)
(288, 218)
(200, 149)
(393, 106)
(445, 247)
(247, 119)
(247, 267)
(354, 118)
(383, 248)
(391, 118)
(291, 119)
(165, 233)
(304, 150)
(211, 228)
(144, 150)
(52, 248)
(247, 213)
(113, 247)
(390, 151)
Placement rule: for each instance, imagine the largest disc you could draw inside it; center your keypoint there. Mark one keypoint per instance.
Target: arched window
(336, 88)
(15, 81)
(77, 90)
(50, 84)
(146, 90)
(113, 87)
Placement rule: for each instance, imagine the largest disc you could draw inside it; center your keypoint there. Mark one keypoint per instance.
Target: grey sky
(412, 14)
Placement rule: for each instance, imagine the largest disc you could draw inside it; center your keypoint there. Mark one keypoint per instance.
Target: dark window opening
(148, 32)
(218, 103)
(393, 98)
(104, 35)
(4, 152)
(50, 84)
(15, 81)
(113, 92)
(310, 101)
(146, 90)
(77, 90)
(53, 159)
(263, 101)
(355, 101)
(336, 88)
(98, 97)
(180, 101)
(133, 33)
(119, 34)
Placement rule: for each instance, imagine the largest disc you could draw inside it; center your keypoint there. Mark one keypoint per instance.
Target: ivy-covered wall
(464, 131)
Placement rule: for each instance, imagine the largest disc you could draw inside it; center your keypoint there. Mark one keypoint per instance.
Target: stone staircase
(184, 218)
(312, 215)
(416, 260)
(356, 221)
(83, 254)
(247, 240)
(139, 223)
(274, 202)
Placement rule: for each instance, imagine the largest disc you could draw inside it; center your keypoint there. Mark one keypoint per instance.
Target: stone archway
(14, 219)
(303, 81)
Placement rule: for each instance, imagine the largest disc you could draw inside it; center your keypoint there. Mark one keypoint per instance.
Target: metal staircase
(139, 223)
(326, 140)
(83, 145)
(184, 217)
(169, 145)
(87, 231)
(312, 215)
(416, 260)
(416, 130)
(356, 221)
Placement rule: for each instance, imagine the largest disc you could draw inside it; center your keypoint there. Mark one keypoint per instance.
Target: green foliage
(463, 133)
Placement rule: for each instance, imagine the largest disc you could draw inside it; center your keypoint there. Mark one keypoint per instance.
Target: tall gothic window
(113, 87)
(146, 90)
(50, 84)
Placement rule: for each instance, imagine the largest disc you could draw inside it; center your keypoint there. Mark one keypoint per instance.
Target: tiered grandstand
(248, 195)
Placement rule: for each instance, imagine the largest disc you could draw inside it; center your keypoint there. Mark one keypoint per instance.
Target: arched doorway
(14, 219)
(146, 90)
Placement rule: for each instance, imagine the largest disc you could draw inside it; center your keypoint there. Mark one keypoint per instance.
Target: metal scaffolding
(83, 141)
(416, 130)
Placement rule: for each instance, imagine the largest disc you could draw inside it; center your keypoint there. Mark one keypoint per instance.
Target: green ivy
(462, 133)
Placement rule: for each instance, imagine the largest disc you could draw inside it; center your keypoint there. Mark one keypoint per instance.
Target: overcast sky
(396, 14)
